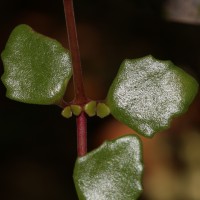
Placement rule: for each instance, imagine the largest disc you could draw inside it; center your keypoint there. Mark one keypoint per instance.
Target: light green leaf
(67, 112)
(36, 68)
(147, 93)
(111, 172)
(102, 110)
(90, 108)
(76, 109)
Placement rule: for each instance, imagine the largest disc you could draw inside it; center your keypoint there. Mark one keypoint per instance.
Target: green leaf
(113, 171)
(67, 112)
(76, 109)
(147, 93)
(102, 110)
(36, 68)
(90, 108)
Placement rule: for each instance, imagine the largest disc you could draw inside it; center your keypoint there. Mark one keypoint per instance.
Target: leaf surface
(147, 93)
(111, 172)
(36, 68)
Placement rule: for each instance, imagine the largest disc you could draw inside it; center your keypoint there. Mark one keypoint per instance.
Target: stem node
(80, 97)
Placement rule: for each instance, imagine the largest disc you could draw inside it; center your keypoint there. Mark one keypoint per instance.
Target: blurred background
(38, 146)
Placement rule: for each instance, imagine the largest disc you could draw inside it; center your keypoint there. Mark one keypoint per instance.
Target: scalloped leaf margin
(36, 68)
(147, 93)
(113, 171)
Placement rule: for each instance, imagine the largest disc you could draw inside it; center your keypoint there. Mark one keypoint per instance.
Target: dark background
(37, 145)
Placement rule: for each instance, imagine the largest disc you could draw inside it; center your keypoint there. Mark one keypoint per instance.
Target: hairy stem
(80, 97)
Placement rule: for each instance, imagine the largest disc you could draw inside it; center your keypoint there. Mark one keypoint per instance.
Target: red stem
(81, 134)
(80, 97)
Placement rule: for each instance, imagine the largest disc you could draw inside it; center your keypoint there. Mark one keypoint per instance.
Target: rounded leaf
(76, 109)
(111, 172)
(90, 108)
(102, 110)
(36, 68)
(147, 93)
(67, 112)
